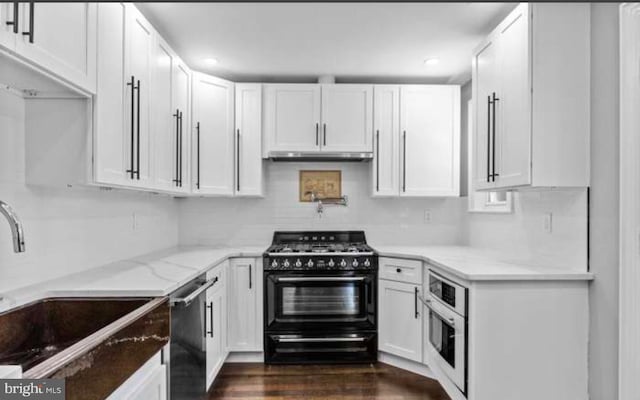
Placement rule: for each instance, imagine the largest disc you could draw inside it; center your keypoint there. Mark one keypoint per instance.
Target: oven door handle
(427, 303)
(322, 279)
(320, 340)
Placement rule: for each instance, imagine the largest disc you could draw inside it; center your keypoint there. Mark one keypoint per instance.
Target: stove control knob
(298, 263)
(355, 263)
(286, 264)
(343, 263)
(274, 264)
(331, 263)
(367, 263)
(310, 263)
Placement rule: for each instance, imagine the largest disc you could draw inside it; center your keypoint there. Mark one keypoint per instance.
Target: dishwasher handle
(185, 301)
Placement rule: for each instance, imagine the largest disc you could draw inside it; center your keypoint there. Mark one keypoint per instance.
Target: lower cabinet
(245, 305)
(148, 383)
(400, 319)
(215, 324)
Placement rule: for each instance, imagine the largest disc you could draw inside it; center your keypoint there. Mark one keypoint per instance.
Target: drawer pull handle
(399, 270)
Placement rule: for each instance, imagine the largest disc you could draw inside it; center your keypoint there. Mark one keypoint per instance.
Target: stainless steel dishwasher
(187, 352)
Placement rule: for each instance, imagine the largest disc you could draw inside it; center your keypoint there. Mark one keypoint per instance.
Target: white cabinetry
(310, 118)
(347, 113)
(248, 115)
(216, 323)
(417, 140)
(213, 141)
(148, 383)
(400, 319)
(292, 117)
(58, 37)
(245, 305)
(531, 80)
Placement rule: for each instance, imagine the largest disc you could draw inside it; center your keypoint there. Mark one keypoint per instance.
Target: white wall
(252, 221)
(69, 230)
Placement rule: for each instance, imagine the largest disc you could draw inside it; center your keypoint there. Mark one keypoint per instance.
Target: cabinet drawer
(219, 271)
(401, 270)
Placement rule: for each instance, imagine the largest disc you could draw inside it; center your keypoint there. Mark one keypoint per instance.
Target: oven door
(447, 341)
(322, 301)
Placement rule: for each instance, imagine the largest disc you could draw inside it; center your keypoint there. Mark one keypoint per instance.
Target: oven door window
(442, 337)
(320, 300)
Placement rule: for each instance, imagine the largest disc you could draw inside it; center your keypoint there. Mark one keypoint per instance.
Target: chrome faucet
(15, 225)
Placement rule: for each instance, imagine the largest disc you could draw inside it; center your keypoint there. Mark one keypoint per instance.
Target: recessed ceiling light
(431, 61)
(210, 61)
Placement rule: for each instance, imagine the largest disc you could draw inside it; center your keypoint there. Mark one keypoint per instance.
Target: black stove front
(320, 293)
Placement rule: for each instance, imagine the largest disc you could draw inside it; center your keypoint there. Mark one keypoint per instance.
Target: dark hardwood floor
(328, 382)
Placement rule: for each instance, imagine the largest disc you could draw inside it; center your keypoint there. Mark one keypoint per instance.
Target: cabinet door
(292, 117)
(112, 129)
(386, 125)
(165, 121)
(244, 315)
(430, 123)
(513, 109)
(400, 330)
(214, 138)
(347, 117)
(248, 139)
(9, 29)
(138, 50)
(62, 39)
(181, 93)
(216, 320)
(484, 85)
(154, 387)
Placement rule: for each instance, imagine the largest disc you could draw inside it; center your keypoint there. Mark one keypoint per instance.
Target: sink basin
(95, 344)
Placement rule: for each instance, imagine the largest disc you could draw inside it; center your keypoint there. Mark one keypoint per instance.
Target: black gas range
(320, 293)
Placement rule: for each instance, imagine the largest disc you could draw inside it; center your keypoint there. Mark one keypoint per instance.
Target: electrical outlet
(427, 216)
(548, 222)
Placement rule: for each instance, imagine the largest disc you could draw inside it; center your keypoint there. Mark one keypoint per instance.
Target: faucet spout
(16, 227)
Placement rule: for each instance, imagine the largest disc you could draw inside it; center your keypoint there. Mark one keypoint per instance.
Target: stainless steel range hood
(319, 156)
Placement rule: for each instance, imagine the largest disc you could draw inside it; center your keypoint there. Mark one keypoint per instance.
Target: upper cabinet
(531, 80)
(58, 37)
(417, 140)
(248, 117)
(313, 118)
(213, 141)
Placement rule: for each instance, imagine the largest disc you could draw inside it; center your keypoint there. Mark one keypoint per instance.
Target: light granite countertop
(160, 273)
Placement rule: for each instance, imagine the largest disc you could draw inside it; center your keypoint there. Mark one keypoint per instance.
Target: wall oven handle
(322, 279)
(320, 340)
(185, 301)
(449, 321)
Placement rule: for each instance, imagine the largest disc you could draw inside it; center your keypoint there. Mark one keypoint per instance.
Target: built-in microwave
(447, 337)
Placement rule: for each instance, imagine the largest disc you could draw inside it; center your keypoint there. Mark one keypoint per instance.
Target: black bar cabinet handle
(377, 160)
(250, 277)
(404, 161)
(15, 17)
(317, 140)
(493, 140)
(238, 159)
(198, 155)
(132, 170)
(177, 178)
(138, 138)
(210, 308)
(488, 138)
(415, 302)
(180, 152)
(324, 131)
(32, 10)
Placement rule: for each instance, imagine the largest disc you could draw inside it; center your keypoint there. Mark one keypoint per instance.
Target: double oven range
(320, 297)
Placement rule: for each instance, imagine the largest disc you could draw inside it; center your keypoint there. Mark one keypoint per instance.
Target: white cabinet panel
(213, 120)
(216, 321)
(149, 382)
(248, 140)
(181, 95)
(245, 306)
(400, 320)
(347, 113)
(9, 30)
(386, 124)
(292, 117)
(402, 270)
(430, 124)
(62, 39)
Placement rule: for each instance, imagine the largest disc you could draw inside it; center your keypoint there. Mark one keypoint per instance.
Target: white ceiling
(298, 42)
